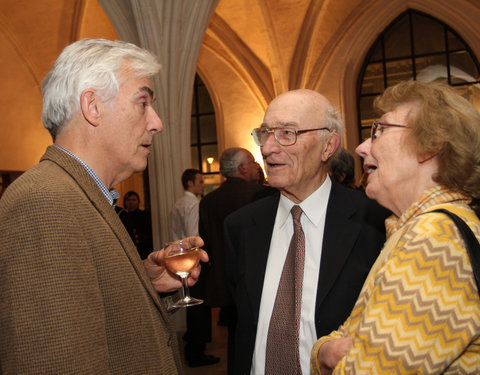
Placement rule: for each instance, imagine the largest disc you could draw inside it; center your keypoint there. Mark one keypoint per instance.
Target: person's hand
(331, 352)
(164, 281)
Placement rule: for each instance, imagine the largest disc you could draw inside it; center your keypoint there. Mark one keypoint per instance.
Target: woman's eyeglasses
(378, 128)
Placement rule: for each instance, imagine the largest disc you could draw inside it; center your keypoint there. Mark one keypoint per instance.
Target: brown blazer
(74, 296)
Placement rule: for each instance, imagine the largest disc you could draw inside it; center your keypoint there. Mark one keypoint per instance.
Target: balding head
(298, 166)
(307, 107)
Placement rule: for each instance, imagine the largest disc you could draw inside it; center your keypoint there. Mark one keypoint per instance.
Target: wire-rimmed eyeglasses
(284, 136)
(378, 128)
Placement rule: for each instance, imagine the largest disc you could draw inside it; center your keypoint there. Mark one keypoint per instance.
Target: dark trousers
(199, 325)
(229, 316)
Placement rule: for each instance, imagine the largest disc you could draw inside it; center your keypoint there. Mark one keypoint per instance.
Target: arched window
(204, 147)
(415, 46)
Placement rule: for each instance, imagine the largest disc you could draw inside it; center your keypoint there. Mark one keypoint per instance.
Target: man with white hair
(75, 296)
(284, 302)
(238, 167)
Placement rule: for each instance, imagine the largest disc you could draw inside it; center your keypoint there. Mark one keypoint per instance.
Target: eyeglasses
(284, 136)
(378, 128)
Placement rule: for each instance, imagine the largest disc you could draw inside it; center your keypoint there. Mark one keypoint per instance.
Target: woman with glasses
(419, 309)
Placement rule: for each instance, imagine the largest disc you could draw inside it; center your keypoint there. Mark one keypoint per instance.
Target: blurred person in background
(138, 223)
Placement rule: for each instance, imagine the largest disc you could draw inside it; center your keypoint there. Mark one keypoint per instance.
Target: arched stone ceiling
(253, 50)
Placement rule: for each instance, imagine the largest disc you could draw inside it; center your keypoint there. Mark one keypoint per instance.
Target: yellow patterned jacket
(419, 309)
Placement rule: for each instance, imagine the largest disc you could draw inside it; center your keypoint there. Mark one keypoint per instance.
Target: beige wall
(252, 50)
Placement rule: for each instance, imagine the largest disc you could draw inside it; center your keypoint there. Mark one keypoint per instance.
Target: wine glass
(181, 258)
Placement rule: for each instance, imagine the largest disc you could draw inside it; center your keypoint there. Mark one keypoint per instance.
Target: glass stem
(186, 291)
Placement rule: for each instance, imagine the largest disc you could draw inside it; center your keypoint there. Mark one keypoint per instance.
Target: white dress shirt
(184, 217)
(313, 224)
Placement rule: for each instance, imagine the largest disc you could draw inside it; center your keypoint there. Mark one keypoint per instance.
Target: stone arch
(343, 57)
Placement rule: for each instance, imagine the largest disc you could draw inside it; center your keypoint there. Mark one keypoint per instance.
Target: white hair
(89, 63)
(231, 159)
(333, 121)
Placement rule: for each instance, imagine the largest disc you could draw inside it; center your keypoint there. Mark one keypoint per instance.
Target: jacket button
(169, 342)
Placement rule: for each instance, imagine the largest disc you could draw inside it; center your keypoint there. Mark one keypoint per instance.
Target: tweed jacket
(75, 297)
(419, 310)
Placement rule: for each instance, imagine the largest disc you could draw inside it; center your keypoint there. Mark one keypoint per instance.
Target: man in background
(75, 296)
(184, 223)
(240, 170)
(342, 168)
(184, 213)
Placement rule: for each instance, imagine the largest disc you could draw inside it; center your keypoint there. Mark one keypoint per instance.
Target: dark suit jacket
(75, 297)
(353, 237)
(214, 208)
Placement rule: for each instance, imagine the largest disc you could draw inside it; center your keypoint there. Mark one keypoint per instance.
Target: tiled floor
(218, 348)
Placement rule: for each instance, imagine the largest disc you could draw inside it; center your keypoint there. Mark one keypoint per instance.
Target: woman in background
(138, 223)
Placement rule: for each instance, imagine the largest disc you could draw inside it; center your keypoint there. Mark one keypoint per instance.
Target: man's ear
(89, 104)
(331, 146)
(242, 169)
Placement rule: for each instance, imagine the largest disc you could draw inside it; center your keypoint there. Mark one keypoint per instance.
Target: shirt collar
(190, 193)
(111, 195)
(314, 207)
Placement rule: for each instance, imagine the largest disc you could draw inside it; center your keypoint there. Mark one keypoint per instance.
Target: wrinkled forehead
(302, 108)
(404, 114)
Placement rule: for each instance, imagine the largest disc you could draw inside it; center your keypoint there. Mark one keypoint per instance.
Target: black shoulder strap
(471, 243)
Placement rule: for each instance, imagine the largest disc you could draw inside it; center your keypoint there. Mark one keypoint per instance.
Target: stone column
(173, 30)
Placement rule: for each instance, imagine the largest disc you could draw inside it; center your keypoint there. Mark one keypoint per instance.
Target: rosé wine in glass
(181, 259)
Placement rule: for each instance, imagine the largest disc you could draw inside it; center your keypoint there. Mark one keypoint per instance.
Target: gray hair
(230, 160)
(333, 121)
(342, 166)
(89, 63)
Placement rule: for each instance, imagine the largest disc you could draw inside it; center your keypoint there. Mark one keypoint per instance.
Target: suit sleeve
(231, 260)
(51, 311)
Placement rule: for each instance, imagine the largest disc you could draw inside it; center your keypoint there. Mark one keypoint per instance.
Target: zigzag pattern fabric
(419, 310)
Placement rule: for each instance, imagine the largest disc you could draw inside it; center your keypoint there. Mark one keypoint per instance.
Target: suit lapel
(337, 244)
(258, 237)
(98, 200)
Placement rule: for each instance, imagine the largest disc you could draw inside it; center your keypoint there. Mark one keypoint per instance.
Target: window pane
(210, 165)
(366, 109)
(454, 42)
(397, 39)
(367, 116)
(365, 133)
(193, 131)
(463, 68)
(203, 130)
(431, 68)
(194, 101)
(376, 53)
(471, 93)
(422, 26)
(204, 102)
(373, 79)
(397, 71)
(428, 39)
(194, 153)
(208, 129)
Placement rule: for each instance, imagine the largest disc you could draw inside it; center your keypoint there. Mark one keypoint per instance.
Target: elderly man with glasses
(337, 238)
